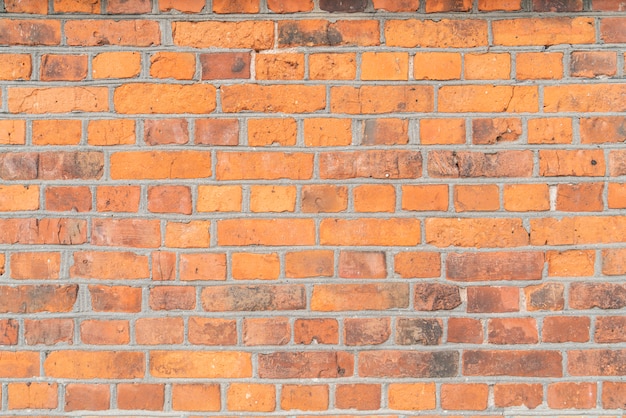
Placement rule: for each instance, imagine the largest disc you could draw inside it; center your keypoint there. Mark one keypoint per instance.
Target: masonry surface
(297, 208)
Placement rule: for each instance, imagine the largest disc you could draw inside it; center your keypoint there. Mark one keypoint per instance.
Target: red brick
(492, 299)
(212, 331)
(320, 198)
(546, 296)
(531, 363)
(411, 331)
(266, 331)
(141, 396)
(362, 265)
(159, 331)
(105, 332)
(37, 298)
(617, 163)
(304, 397)
(129, 6)
(493, 5)
(494, 266)
(566, 395)
(316, 331)
(264, 165)
(8, 332)
(612, 30)
(63, 67)
(141, 233)
(385, 132)
(596, 362)
(217, 131)
(435, 296)
(172, 298)
(68, 199)
(30, 32)
(166, 131)
(465, 330)
(602, 129)
(115, 298)
(512, 331)
(462, 164)
(305, 364)
(366, 331)
(356, 297)
(48, 331)
(408, 363)
(87, 397)
(614, 395)
(293, 33)
(480, 197)
(610, 329)
(593, 64)
(169, 199)
(464, 396)
(253, 298)
(43, 231)
(387, 164)
(362, 397)
(562, 329)
(39, 265)
(518, 394)
(225, 65)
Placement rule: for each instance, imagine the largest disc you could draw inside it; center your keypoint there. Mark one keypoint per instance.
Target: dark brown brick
(411, 331)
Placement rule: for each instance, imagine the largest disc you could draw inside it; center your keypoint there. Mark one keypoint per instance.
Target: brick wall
(312, 207)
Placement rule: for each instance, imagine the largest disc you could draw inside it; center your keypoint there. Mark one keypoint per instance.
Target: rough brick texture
(298, 208)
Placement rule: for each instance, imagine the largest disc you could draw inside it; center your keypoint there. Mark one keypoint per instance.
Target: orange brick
(85, 32)
(58, 99)
(327, 132)
(576, 230)
(544, 31)
(115, 298)
(358, 297)
(262, 132)
(195, 397)
(56, 132)
(290, 6)
(266, 331)
(169, 199)
(445, 33)
(372, 231)
(613, 263)
(526, 197)
(116, 65)
(417, 264)
(185, 6)
(39, 265)
(566, 395)
(12, 132)
(219, 199)
(268, 165)
(374, 198)
(425, 197)
(316, 331)
(437, 66)
(111, 132)
(488, 131)
(202, 267)
(487, 66)
(82, 396)
(129, 7)
(358, 396)
(38, 298)
(75, 364)
(602, 129)
(572, 263)
(212, 331)
(613, 393)
(26, 6)
(320, 198)
(190, 234)
(433, 6)
(312, 263)
(579, 163)
(249, 266)
(501, 232)
(384, 66)
(63, 67)
(257, 35)
(118, 198)
(293, 33)
(282, 66)
(176, 65)
(332, 66)
(617, 195)
(272, 198)
(550, 131)
(442, 131)
(251, 397)
(518, 394)
(33, 395)
(483, 98)
(378, 164)
(24, 364)
(493, 5)
(464, 396)
(236, 6)
(15, 66)
(169, 298)
(412, 396)
(105, 332)
(164, 98)
(77, 6)
(484, 197)
(381, 99)
(201, 364)
(160, 164)
(584, 98)
(539, 66)
(304, 397)
(18, 198)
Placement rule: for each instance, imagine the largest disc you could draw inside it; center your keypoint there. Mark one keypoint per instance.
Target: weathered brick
(512, 331)
(445, 33)
(384, 164)
(75, 364)
(518, 394)
(415, 364)
(115, 298)
(325, 33)
(476, 232)
(40, 100)
(477, 164)
(562, 329)
(38, 298)
(535, 363)
(381, 99)
(138, 33)
(411, 331)
(544, 31)
(200, 364)
(30, 32)
(305, 364)
(435, 297)
(494, 266)
(253, 298)
(366, 331)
